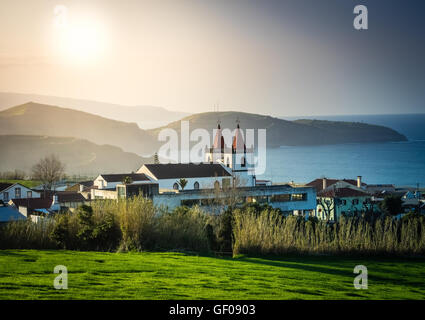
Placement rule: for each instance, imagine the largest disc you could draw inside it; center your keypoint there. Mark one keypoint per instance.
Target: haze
(282, 58)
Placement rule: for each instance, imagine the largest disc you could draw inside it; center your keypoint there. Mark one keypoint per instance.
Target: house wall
(346, 208)
(103, 194)
(103, 184)
(11, 193)
(204, 183)
(265, 193)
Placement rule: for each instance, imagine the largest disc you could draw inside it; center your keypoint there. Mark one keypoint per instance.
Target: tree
(328, 205)
(127, 180)
(48, 170)
(392, 205)
(182, 183)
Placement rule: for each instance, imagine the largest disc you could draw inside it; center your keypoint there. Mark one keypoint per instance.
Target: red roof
(318, 183)
(238, 143)
(33, 203)
(219, 139)
(342, 193)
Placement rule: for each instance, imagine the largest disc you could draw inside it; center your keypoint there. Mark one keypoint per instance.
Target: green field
(26, 183)
(28, 274)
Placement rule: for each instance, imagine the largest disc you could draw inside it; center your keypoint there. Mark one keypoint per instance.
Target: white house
(110, 181)
(198, 176)
(9, 191)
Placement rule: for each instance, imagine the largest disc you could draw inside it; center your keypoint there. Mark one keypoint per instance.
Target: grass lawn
(28, 274)
(26, 183)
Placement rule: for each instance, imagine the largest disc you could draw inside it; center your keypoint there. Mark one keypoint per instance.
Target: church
(223, 167)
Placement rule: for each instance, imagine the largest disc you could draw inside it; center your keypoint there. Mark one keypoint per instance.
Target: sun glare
(78, 39)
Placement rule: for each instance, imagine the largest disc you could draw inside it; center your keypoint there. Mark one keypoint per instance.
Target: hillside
(145, 116)
(80, 156)
(292, 133)
(38, 119)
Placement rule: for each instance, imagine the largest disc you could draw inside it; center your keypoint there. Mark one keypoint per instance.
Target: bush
(271, 233)
(136, 224)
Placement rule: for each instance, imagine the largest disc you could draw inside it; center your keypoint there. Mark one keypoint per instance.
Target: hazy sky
(295, 57)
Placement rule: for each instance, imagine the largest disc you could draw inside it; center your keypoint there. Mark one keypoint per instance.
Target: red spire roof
(219, 139)
(238, 143)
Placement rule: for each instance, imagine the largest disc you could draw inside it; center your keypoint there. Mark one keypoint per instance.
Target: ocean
(400, 163)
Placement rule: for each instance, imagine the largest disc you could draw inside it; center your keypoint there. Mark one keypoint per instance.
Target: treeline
(13, 175)
(136, 224)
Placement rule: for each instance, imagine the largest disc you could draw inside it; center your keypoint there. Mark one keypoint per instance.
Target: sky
(276, 57)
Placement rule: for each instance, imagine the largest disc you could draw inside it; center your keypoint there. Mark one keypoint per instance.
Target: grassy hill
(292, 133)
(28, 274)
(38, 119)
(145, 116)
(80, 156)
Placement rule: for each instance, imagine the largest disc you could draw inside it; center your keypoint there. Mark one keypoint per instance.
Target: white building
(110, 181)
(9, 191)
(198, 176)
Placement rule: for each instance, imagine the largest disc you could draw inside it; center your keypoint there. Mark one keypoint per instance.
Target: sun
(79, 39)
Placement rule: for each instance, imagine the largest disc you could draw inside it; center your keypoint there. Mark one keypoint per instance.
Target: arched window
(227, 162)
(216, 185)
(196, 185)
(176, 186)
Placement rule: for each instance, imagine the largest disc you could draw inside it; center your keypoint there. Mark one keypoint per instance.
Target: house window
(299, 197)
(6, 196)
(217, 185)
(281, 198)
(18, 193)
(344, 202)
(355, 201)
(29, 194)
(196, 185)
(175, 186)
(243, 164)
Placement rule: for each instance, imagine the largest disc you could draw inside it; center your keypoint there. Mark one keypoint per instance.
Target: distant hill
(292, 133)
(80, 156)
(38, 119)
(410, 125)
(145, 116)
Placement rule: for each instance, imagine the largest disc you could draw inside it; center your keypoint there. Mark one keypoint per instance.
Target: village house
(9, 191)
(324, 183)
(8, 213)
(54, 201)
(335, 201)
(105, 185)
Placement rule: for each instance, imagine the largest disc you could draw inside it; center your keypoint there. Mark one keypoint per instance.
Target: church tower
(238, 158)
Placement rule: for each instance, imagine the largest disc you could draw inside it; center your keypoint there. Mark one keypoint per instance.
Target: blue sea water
(401, 163)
